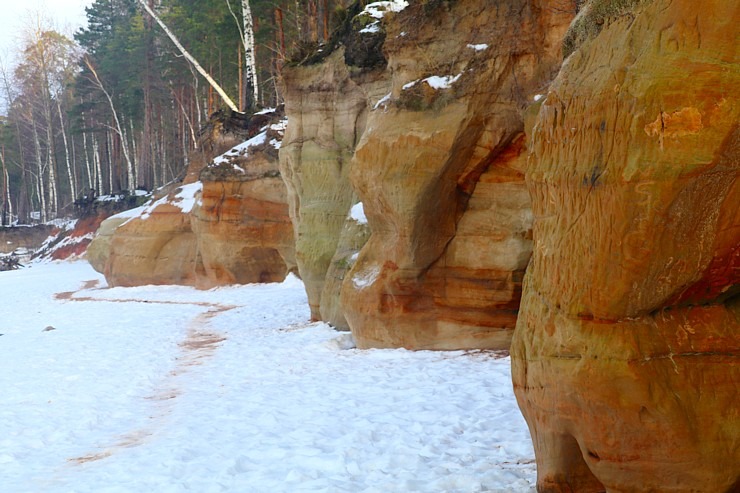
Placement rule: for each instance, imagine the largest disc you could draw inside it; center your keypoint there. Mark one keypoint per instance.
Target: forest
(117, 107)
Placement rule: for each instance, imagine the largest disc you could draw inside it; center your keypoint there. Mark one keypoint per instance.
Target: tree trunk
(111, 170)
(8, 198)
(51, 165)
(250, 56)
(40, 171)
(190, 57)
(313, 21)
(98, 166)
(4, 203)
(90, 177)
(325, 19)
(119, 129)
(137, 177)
(70, 177)
(146, 156)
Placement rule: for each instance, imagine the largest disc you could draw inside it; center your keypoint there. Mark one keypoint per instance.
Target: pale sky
(65, 16)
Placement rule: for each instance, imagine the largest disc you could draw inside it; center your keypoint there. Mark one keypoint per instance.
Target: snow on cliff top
(242, 150)
(186, 198)
(377, 10)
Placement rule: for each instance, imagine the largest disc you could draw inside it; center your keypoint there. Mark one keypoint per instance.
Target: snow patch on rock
(442, 82)
(377, 10)
(367, 277)
(357, 213)
(371, 28)
(241, 149)
(436, 82)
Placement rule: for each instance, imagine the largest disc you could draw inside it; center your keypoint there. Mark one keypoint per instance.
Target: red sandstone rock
(242, 226)
(625, 356)
(440, 173)
(233, 229)
(327, 105)
(156, 248)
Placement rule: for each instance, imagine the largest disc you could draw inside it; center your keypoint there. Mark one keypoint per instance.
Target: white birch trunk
(249, 52)
(50, 158)
(109, 143)
(98, 166)
(119, 128)
(246, 30)
(70, 175)
(190, 58)
(90, 176)
(40, 170)
(53, 194)
(5, 202)
(130, 165)
(8, 201)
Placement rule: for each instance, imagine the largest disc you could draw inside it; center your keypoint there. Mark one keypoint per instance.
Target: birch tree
(246, 32)
(225, 97)
(5, 207)
(250, 53)
(118, 128)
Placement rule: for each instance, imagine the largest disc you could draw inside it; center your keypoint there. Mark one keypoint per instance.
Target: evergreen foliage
(118, 107)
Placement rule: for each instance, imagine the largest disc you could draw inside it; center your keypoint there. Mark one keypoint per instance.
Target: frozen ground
(170, 389)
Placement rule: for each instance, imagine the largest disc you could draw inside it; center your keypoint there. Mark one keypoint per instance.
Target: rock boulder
(625, 356)
(439, 170)
(227, 223)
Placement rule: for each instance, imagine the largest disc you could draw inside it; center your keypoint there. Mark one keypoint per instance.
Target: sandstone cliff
(25, 237)
(241, 222)
(227, 223)
(153, 244)
(439, 170)
(625, 357)
(352, 238)
(326, 104)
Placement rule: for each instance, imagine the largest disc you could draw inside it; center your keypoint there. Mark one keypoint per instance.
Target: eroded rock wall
(439, 170)
(227, 223)
(156, 248)
(625, 356)
(352, 238)
(326, 104)
(26, 237)
(241, 223)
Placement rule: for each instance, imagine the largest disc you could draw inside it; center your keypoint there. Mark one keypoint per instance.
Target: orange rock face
(440, 173)
(157, 248)
(242, 226)
(231, 226)
(625, 356)
(327, 106)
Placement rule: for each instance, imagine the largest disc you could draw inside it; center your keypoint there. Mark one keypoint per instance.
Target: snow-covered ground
(170, 389)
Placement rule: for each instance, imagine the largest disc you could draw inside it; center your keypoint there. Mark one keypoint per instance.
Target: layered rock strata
(352, 238)
(626, 356)
(227, 223)
(439, 170)
(154, 244)
(241, 223)
(25, 237)
(327, 105)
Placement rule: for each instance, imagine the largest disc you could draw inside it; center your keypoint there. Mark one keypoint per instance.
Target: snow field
(233, 390)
